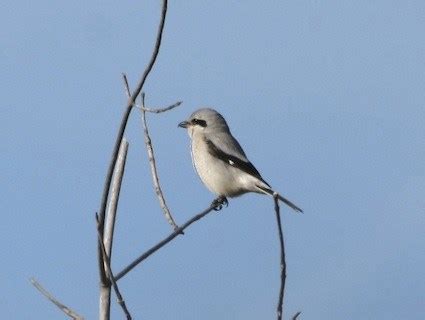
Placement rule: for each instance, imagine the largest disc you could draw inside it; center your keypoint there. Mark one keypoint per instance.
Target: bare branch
(166, 240)
(114, 197)
(296, 315)
(282, 258)
(154, 172)
(108, 232)
(69, 312)
(130, 103)
(144, 108)
(107, 263)
(160, 110)
(151, 157)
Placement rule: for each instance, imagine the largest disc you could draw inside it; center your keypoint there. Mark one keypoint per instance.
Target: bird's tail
(269, 191)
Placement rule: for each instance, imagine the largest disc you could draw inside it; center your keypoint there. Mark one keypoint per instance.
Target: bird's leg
(219, 202)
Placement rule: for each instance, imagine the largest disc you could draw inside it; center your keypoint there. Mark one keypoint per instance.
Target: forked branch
(121, 130)
(107, 263)
(166, 240)
(107, 236)
(151, 155)
(144, 108)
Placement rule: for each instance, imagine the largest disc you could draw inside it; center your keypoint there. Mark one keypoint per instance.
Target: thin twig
(151, 157)
(109, 225)
(163, 242)
(107, 263)
(144, 108)
(69, 312)
(296, 315)
(154, 172)
(160, 110)
(282, 258)
(130, 103)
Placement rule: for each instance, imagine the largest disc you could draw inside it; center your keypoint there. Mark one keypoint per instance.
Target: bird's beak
(183, 124)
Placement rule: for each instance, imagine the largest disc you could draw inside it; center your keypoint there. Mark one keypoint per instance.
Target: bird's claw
(219, 203)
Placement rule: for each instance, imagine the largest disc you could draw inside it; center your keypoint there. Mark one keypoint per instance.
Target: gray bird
(220, 161)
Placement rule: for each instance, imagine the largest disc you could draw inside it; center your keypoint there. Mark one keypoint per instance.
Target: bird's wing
(229, 150)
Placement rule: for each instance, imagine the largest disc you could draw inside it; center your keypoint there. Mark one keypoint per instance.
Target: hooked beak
(183, 124)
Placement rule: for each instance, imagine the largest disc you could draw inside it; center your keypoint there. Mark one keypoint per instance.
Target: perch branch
(282, 258)
(69, 312)
(163, 242)
(130, 103)
(152, 162)
(107, 263)
(108, 232)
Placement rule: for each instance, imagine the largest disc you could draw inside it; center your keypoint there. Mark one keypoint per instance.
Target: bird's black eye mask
(199, 122)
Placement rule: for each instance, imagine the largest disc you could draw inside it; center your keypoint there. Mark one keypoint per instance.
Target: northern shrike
(220, 161)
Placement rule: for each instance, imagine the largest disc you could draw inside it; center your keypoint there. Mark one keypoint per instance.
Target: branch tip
(68, 311)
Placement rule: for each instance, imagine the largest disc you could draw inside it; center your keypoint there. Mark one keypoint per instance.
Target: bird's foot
(219, 203)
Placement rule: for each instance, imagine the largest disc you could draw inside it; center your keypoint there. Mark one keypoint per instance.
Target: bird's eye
(199, 122)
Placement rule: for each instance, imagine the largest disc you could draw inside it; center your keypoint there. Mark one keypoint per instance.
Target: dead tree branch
(166, 240)
(282, 258)
(107, 262)
(152, 162)
(130, 103)
(69, 312)
(154, 172)
(144, 108)
(160, 110)
(108, 232)
(114, 197)
(295, 317)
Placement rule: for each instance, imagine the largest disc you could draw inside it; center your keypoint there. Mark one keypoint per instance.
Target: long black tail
(284, 200)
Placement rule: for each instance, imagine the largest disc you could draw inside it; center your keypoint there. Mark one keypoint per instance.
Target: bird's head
(204, 120)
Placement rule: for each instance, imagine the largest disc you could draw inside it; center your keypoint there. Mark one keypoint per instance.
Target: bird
(220, 161)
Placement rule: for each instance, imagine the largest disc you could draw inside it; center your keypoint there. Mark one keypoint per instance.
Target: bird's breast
(219, 177)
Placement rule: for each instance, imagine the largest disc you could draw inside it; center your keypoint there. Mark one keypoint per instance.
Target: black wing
(245, 166)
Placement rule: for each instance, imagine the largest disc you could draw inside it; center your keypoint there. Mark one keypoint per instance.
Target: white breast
(219, 177)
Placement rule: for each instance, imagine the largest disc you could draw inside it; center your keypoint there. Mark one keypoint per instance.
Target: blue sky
(327, 98)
